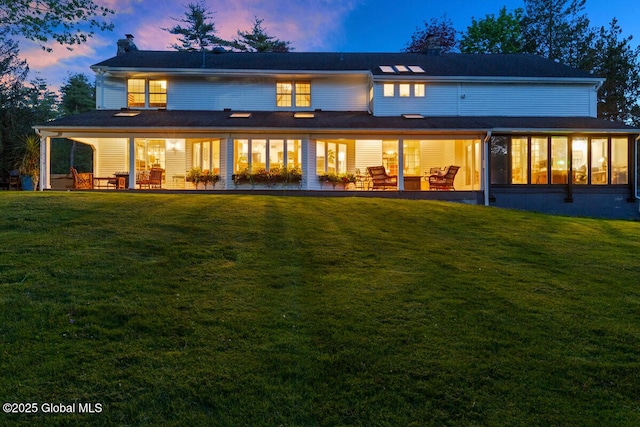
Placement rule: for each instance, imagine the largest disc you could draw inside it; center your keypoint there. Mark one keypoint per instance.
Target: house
(521, 129)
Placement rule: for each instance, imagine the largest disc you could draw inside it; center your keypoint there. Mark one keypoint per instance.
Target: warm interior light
(304, 115)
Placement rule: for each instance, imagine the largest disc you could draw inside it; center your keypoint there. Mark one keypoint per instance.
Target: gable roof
(445, 65)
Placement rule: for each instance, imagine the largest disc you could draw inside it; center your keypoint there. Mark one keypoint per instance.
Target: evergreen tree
(78, 95)
(616, 60)
(436, 34)
(199, 33)
(259, 41)
(558, 30)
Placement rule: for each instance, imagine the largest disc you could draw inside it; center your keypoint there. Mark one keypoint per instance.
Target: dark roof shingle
(446, 65)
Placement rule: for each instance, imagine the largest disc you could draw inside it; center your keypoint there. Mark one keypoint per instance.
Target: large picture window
(262, 154)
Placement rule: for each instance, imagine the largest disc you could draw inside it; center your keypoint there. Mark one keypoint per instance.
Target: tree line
(555, 29)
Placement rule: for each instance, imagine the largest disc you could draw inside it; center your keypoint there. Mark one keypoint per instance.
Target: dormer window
(146, 93)
(289, 93)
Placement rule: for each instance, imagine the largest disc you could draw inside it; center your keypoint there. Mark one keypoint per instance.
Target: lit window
(519, 160)
(146, 94)
(405, 90)
(331, 157)
(136, 93)
(619, 160)
(157, 93)
(559, 159)
(289, 93)
(579, 159)
(418, 90)
(284, 91)
(389, 89)
(539, 160)
(402, 69)
(303, 94)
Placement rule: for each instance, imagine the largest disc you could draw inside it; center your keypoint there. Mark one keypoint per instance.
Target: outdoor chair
(443, 181)
(153, 180)
(380, 180)
(82, 180)
(14, 180)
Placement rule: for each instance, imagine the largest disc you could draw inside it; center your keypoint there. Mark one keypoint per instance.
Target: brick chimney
(126, 45)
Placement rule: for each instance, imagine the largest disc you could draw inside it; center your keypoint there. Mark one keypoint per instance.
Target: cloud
(310, 25)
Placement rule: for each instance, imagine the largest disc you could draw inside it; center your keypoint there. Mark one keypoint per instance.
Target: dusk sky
(311, 25)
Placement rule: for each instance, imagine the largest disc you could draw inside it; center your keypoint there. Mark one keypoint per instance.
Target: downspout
(485, 165)
(635, 175)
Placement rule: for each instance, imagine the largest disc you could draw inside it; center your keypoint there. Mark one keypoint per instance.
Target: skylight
(304, 115)
(402, 69)
(416, 68)
(387, 69)
(239, 115)
(413, 116)
(126, 113)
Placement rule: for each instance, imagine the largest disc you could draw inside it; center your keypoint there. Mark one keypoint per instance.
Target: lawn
(162, 309)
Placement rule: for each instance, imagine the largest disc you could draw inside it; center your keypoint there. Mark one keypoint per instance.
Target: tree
(436, 34)
(14, 73)
(78, 95)
(558, 30)
(258, 41)
(68, 22)
(495, 35)
(199, 34)
(614, 59)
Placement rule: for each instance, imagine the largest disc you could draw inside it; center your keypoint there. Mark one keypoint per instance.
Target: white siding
(347, 94)
(111, 156)
(368, 153)
(176, 160)
(494, 99)
(237, 94)
(524, 100)
(112, 95)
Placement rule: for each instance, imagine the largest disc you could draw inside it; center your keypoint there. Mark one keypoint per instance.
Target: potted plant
(209, 178)
(194, 175)
(346, 179)
(28, 161)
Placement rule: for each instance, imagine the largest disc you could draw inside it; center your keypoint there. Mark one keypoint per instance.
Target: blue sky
(311, 25)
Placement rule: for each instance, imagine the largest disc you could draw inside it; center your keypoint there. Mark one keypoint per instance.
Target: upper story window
(404, 90)
(389, 89)
(143, 93)
(293, 94)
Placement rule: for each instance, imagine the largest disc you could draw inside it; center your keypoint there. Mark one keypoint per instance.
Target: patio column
(45, 163)
(309, 177)
(486, 180)
(132, 163)
(401, 164)
(227, 165)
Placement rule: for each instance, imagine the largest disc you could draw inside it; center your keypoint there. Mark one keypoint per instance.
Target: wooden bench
(443, 181)
(380, 180)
